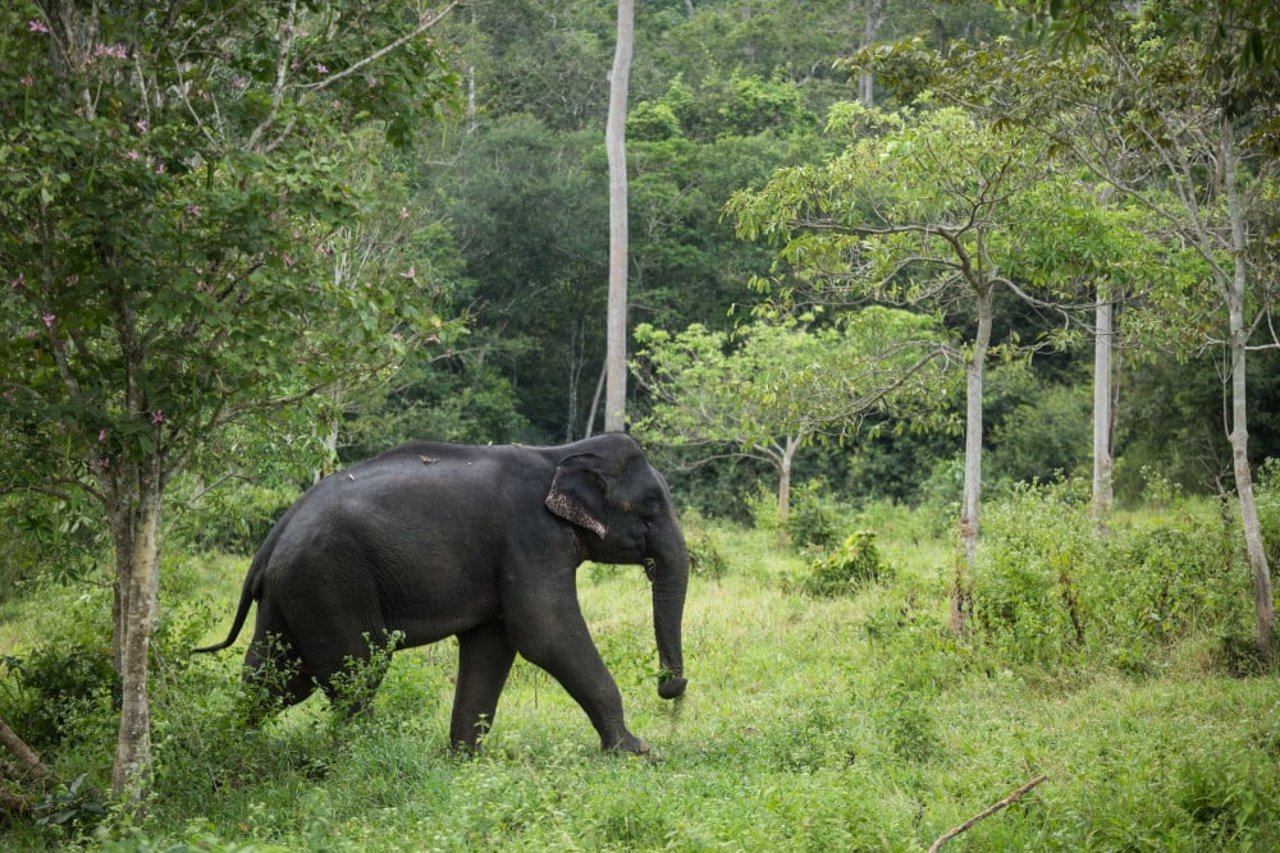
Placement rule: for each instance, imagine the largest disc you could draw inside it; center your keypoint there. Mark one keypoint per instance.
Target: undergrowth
(851, 720)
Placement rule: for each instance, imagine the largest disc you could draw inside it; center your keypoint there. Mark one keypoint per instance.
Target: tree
(770, 388)
(1168, 104)
(920, 209)
(173, 191)
(616, 148)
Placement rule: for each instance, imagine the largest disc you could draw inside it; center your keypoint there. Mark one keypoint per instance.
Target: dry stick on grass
(984, 814)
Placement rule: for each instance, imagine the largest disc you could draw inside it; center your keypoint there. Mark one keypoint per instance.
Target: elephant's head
(622, 507)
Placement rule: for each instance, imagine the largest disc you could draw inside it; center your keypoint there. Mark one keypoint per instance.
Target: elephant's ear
(577, 493)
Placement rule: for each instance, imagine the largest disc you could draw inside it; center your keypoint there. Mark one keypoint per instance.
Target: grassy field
(840, 724)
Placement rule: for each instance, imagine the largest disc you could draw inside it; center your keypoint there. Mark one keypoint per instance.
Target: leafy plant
(846, 569)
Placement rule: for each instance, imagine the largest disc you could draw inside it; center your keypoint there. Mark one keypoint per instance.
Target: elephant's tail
(252, 591)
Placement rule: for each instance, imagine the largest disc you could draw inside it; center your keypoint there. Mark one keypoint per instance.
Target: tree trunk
(615, 147)
(1102, 346)
(871, 25)
(1264, 604)
(969, 510)
(784, 484)
(595, 402)
(135, 518)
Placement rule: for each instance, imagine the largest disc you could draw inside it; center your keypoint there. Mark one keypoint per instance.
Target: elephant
(430, 540)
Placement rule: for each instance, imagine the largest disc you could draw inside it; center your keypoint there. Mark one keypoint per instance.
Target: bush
(816, 516)
(1047, 589)
(844, 570)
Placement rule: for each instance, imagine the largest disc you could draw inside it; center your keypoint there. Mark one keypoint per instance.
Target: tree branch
(29, 761)
(425, 23)
(984, 814)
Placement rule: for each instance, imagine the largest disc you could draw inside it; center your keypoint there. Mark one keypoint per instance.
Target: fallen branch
(29, 761)
(14, 804)
(984, 814)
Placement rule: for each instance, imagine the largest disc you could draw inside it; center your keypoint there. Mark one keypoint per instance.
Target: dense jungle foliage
(224, 275)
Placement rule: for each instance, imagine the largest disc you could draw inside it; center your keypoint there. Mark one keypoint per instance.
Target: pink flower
(321, 68)
(133, 154)
(193, 210)
(102, 435)
(141, 125)
(37, 26)
(48, 319)
(409, 273)
(372, 81)
(160, 168)
(28, 80)
(404, 213)
(20, 281)
(288, 260)
(157, 417)
(240, 83)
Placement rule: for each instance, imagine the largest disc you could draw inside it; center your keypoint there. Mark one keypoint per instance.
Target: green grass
(849, 723)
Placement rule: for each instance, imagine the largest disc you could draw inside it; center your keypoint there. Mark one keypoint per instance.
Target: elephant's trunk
(670, 583)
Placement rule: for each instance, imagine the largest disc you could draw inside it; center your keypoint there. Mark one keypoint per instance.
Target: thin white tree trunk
(615, 148)
(971, 504)
(1102, 346)
(784, 482)
(871, 25)
(138, 576)
(1264, 603)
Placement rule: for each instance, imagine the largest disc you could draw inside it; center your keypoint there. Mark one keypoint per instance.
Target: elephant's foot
(628, 743)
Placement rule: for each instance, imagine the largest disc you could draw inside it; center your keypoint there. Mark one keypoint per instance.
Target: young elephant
(432, 540)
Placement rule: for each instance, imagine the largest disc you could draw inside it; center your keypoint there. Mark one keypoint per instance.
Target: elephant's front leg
(484, 659)
(548, 629)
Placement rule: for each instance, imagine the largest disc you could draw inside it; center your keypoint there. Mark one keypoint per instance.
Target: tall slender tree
(616, 146)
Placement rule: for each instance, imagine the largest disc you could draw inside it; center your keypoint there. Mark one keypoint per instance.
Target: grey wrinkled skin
(432, 540)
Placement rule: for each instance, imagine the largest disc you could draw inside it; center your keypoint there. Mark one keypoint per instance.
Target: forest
(949, 325)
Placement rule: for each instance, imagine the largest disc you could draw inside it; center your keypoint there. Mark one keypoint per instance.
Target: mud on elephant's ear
(578, 493)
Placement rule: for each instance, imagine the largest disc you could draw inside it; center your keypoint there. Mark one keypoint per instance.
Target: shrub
(844, 570)
(815, 518)
(47, 693)
(1047, 588)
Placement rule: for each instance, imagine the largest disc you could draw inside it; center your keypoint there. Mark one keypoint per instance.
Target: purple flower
(141, 125)
(157, 417)
(193, 210)
(321, 68)
(48, 319)
(37, 26)
(133, 154)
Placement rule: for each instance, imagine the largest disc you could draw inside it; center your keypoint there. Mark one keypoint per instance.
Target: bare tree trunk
(969, 510)
(615, 147)
(136, 524)
(784, 482)
(1264, 604)
(871, 25)
(595, 402)
(1102, 346)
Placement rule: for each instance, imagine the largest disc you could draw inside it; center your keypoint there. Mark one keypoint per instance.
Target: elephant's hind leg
(484, 660)
(273, 679)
